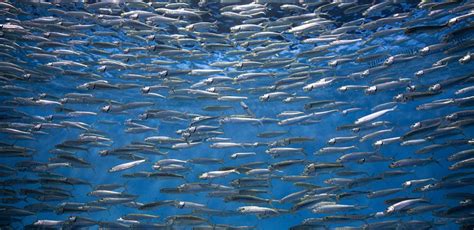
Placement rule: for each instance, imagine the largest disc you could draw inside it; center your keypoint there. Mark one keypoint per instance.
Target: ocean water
(47, 113)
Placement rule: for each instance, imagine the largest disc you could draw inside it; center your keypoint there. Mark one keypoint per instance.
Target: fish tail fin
(436, 161)
(239, 170)
(125, 186)
(270, 201)
(304, 152)
(185, 180)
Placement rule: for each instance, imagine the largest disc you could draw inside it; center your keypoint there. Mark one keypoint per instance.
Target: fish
(126, 166)
(404, 204)
(373, 116)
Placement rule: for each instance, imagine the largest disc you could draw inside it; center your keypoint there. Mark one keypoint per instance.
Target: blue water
(113, 125)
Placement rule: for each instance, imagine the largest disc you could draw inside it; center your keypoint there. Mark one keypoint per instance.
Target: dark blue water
(38, 81)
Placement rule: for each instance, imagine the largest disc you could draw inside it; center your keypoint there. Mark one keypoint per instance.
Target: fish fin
(185, 180)
(125, 187)
(436, 161)
(270, 203)
(304, 152)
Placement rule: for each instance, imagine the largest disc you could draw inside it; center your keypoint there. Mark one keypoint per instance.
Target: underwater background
(236, 115)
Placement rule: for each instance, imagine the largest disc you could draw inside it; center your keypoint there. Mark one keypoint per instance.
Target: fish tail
(436, 161)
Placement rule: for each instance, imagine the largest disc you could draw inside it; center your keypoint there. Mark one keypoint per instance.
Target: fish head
(379, 214)
(424, 188)
(419, 73)
(371, 90)
(38, 126)
(417, 125)
(150, 37)
(288, 99)
(106, 108)
(242, 209)
(27, 76)
(192, 129)
(453, 21)
(180, 204)
(411, 88)
(143, 116)
(104, 152)
(239, 65)
(83, 86)
(102, 68)
(145, 89)
(49, 117)
(342, 89)
(389, 61)
(186, 135)
(208, 81)
(465, 59)
(425, 50)
(211, 90)
(377, 144)
(365, 73)
(308, 88)
(401, 98)
(264, 98)
(452, 117)
(407, 184)
(435, 88)
(332, 141)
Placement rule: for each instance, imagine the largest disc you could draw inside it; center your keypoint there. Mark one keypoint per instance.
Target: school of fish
(225, 114)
